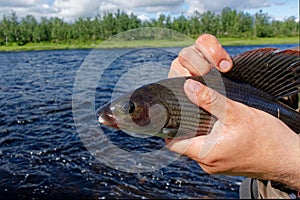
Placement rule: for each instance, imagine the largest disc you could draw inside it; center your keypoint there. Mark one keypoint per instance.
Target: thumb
(208, 99)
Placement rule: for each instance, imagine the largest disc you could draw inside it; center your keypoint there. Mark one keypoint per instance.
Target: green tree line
(229, 23)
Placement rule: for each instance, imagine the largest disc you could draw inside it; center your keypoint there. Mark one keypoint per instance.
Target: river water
(44, 150)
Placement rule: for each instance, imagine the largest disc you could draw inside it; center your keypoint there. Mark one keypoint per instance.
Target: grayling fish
(261, 78)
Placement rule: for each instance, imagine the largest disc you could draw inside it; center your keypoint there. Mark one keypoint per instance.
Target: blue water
(42, 155)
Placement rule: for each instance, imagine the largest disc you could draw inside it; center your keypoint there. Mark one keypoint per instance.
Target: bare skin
(249, 141)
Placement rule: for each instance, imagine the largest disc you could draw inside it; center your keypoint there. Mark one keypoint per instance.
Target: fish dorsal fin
(268, 69)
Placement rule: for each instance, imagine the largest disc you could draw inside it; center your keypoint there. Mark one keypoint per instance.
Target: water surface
(41, 153)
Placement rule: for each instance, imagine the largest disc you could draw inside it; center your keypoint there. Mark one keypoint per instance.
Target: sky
(70, 10)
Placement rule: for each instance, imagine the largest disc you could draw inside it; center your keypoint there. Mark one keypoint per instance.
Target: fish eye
(128, 107)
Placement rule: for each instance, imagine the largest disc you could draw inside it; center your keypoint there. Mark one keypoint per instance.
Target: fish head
(139, 111)
(106, 117)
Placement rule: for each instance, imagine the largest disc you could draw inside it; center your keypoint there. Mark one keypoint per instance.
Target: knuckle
(182, 61)
(209, 97)
(184, 52)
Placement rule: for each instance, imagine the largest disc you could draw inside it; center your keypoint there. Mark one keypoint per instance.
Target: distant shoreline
(144, 43)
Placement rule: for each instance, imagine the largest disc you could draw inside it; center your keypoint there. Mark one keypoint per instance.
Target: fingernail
(193, 86)
(225, 65)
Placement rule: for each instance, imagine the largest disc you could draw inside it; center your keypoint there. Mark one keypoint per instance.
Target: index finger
(194, 61)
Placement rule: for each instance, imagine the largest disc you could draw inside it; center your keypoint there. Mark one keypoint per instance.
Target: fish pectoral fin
(178, 133)
(169, 132)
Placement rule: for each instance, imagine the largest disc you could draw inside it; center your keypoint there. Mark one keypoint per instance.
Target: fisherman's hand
(244, 141)
(200, 58)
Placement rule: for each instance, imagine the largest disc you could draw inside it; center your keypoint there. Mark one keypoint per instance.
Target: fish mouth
(106, 117)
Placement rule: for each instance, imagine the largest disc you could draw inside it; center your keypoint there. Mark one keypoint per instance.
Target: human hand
(200, 58)
(250, 142)
(244, 141)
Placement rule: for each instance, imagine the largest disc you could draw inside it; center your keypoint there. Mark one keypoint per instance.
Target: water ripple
(41, 154)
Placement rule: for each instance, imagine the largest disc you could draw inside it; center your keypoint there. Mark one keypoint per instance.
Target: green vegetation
(258, 41)
(144, 43)
(230, 26)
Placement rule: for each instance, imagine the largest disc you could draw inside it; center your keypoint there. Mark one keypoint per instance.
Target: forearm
(293, 180)
(289, 166)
